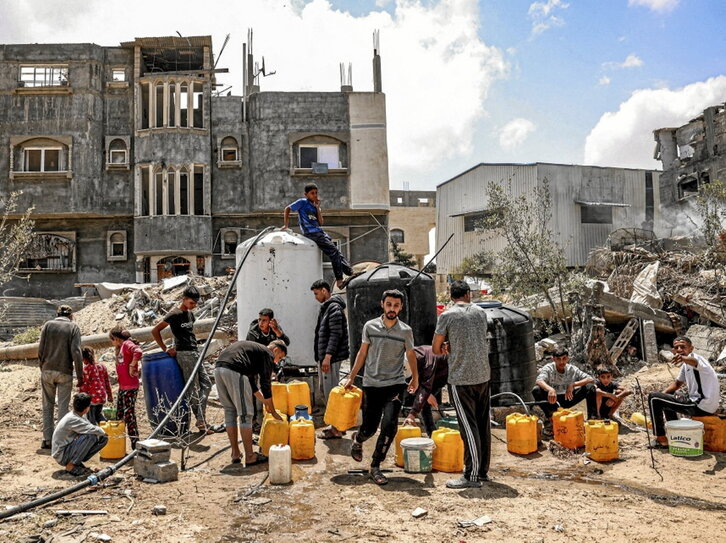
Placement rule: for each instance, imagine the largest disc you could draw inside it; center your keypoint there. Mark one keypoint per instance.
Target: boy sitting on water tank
(310, 219)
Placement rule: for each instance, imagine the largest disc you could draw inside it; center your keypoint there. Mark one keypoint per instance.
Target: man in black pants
(703, 391)
(386, 344)
(461, 332)
(560, 382)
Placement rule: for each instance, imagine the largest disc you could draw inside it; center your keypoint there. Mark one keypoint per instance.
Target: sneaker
(657, 443)
(462, 482)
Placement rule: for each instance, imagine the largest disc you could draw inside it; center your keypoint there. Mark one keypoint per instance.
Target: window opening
(184, 192)
(397, 235)
(118, 244)
(183, 105)
(198, 190)
(145, 191)
(159, 105)
(323, 154)
(596, 214)
(197, 101)
(145, 105)
(172, 104)
(229, 149)
(118, 74)
(43, 76)
(230, 241)
(159, 193)
(171, 192)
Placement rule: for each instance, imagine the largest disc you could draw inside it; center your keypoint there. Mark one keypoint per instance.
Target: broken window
(116, 245)
(172, 104)
(184, 192)
(171, 191)
(474, 221)
(50, 251)
(321, 154)
(145, 105)
(397, 235)
(596, 214)
(183, 105)
(198, 190)
(230, 240)
(43, 76)
(159, 103)
(230, 150)
(687, 186)
(117, 152)
(198, 103)
(118, 74)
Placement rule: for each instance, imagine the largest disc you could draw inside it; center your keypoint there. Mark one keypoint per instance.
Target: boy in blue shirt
(310, 219)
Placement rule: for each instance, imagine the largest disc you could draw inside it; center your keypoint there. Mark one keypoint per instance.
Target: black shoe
(45, 445)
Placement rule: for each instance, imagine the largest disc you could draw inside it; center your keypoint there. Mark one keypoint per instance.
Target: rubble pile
(139, 307)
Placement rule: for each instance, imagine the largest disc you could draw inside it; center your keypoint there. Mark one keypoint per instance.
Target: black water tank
(511, 351)
(364, 301)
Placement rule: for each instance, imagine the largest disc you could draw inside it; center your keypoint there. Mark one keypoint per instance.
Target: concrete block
(650, 344)
(162, 472)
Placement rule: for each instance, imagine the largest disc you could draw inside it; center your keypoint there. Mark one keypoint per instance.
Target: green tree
(477, 265)
(532, 261)
(402, 257)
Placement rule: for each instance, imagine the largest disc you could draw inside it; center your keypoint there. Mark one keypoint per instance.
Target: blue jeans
(340, 264)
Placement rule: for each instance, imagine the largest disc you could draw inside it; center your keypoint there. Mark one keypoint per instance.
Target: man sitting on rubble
(703, 391)
(75, 439)
(560, 384)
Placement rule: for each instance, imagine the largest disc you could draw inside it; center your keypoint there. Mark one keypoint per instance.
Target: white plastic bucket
(280, 464)
(418, 454)
(685, 437)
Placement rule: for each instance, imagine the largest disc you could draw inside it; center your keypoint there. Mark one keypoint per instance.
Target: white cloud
(631, 61)
(542, 15)
(604, 81)
(625, 137)
(515, 132)
(660, 6)
(437, 71)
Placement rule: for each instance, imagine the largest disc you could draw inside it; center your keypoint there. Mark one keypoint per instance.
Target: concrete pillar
(666, 137)
(649, 343)
(139, 269)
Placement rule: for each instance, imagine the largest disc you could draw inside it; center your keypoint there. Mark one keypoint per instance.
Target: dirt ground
(543, 497)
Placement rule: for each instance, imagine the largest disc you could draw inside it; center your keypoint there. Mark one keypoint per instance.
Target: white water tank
(277, 274)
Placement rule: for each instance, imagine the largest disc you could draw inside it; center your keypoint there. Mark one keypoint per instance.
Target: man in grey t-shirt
(386, 344)
(461, 332)
(562, 383)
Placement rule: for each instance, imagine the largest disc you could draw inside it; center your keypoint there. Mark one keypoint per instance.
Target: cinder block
(162, 472)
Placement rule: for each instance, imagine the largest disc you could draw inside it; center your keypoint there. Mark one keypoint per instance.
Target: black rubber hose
(107, 472)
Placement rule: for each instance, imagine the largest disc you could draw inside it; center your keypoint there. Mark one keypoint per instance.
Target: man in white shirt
(703, 391)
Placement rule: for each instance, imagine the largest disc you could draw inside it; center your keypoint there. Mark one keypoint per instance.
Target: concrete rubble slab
(708, 341)
(703, 304)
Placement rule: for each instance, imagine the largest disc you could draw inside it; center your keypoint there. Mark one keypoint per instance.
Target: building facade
(588, 203)
(692, 155)
(137, 170)
(410, 220)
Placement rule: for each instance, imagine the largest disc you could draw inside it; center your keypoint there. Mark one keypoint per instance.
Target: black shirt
(610, 389)
(182, 327)
(256, 335)
(253, 360)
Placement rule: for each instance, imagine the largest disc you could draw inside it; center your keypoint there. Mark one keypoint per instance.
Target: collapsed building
(138, 169)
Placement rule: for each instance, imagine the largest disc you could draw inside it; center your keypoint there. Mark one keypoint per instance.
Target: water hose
(519, 399)
(96, 478)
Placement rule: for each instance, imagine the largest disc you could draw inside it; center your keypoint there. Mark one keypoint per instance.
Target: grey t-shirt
(465, 327)
(559, 381)
(386, 352)
(68, 429)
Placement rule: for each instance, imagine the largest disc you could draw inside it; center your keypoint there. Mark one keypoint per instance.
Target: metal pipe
(202, 328)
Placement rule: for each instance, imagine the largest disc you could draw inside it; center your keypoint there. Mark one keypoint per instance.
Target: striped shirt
(386, 352)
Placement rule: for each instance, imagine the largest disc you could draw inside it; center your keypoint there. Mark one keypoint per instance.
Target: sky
(573, 82)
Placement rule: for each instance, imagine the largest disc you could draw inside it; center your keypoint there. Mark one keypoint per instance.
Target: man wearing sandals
(387, 344)
(461, 332)
(75, 439)
(244, 369)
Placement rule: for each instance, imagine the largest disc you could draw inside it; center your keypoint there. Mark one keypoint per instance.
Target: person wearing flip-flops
(387, 344)
(75, 439)
(244, 369)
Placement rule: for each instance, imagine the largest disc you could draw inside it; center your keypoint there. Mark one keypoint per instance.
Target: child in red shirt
(128, 355)
(96, 384)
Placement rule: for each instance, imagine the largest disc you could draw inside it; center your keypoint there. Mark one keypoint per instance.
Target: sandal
(356, 449)
(80, 470)
(377, 477)
(329, 434)
(259, 459)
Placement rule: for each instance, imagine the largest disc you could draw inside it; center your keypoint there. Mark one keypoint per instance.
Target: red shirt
(96, 383)
(128, 354)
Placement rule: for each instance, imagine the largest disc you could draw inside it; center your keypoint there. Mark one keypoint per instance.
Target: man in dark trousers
(59, 352)
(75, 439)
(461, 332)
(331, 344)
(433, 373)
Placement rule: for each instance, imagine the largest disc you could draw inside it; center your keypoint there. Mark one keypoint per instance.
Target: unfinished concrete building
(693, 155)
(411, 218)
(137, 169)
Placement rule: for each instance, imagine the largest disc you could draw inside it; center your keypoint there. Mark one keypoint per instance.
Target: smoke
(681, 220)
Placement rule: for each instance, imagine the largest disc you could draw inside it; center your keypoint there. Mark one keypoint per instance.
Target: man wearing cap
(59, 352)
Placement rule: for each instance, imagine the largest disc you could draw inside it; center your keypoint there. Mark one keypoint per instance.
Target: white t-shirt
(707, 402)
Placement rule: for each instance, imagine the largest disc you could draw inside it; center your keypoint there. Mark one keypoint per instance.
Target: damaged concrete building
(138, 169)
(692, 155)
(588, 203)
(412, 216)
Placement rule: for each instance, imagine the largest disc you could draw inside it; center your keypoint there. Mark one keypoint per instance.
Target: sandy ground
(543, 497)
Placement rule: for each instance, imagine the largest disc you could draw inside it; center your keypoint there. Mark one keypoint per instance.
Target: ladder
(623, 339)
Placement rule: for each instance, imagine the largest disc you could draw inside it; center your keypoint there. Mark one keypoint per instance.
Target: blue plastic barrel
(301, 412)
(163, 382)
